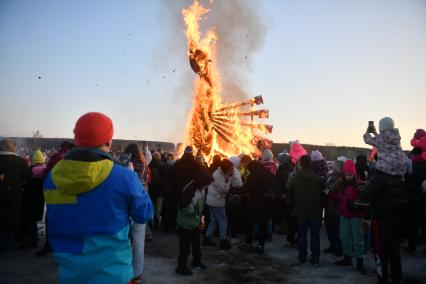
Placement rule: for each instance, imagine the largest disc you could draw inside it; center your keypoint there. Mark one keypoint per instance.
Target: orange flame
(214, 128)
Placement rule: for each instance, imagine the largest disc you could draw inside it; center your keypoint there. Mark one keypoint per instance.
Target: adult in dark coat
(155, 189)
(182, 172)
(283, 172)
(165, 175)
(257, 206)
(388, 197)
(15, 170)
(307, 189)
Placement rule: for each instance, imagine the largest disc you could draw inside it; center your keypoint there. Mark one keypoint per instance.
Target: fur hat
(8, 145)
(38, 157)
(386, 123)
(316, 156)
(349, 167)
(93, 129)
(267, 155)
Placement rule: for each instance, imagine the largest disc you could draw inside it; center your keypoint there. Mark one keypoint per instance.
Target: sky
(324, 67)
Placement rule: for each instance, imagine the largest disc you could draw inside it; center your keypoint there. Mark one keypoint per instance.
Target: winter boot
(198, 264)
(330, 249)
(183, 270)
(207, 242)
(346, 261)
(224, 245)
(360, 266)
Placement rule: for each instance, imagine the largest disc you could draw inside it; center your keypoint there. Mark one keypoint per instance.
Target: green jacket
(189, 214)
(306, 189)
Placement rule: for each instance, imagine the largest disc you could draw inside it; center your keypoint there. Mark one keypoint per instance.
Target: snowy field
(278, 265)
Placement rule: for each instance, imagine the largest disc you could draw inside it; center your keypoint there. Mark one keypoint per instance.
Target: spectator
(216, 199)
(182, 172)
(89, 203)
(33, 200)
(351, 220)
(54, 159)
(188, 219)
(14, 170)
(387, 194)
(307, 188)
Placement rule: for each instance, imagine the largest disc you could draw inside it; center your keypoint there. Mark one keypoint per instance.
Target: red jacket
(350, 193)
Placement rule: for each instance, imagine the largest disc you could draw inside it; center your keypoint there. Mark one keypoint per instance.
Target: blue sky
(325, 67)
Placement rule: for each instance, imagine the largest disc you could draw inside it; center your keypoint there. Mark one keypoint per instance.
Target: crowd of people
(102, 207)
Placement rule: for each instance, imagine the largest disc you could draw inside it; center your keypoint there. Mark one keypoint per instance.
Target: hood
(75, 177)
(391, 136)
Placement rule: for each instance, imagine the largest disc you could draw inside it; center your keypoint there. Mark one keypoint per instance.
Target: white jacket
(218, 189)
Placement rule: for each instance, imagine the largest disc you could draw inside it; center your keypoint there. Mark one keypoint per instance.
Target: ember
(215, 127)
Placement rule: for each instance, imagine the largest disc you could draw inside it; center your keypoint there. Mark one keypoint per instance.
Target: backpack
(272, 186)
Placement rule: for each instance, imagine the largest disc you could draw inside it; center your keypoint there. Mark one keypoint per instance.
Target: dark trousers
(234, 218)
(263, 223)
(386, 236)
(188, 238)
(332, 223)
(292, 229)
(169, 212)
(413, 223)
(314, 226)
(10, 216)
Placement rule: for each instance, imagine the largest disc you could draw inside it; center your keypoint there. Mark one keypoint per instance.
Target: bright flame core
(212, 127)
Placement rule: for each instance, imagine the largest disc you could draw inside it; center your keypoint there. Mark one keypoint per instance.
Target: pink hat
(349, 167)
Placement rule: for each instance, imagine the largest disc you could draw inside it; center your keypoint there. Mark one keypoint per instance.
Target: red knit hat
(349, 167)
(93, 129)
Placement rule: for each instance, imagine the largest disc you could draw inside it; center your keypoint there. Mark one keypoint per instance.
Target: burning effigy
(215, 127)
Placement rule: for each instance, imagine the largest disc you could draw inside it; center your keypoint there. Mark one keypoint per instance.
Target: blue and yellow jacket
(89, 203)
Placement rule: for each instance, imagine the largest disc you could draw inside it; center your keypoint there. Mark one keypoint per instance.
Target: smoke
(241, 32)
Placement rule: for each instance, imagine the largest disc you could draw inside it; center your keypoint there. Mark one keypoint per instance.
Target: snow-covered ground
(278, 265)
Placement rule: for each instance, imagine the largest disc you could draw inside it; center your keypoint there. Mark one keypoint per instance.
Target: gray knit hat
(386, 123)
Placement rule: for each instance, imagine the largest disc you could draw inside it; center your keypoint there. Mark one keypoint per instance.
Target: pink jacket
(421, 143)
(350, 193)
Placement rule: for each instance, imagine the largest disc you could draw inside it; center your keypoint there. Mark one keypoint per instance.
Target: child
(33, 200)
(391, 158)
(351, 221)
(419, 141)
(188, 219)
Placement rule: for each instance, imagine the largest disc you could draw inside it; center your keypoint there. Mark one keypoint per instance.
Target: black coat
(182, 172)
(257, 204)
(387, 194)
(15, 171)
(33, 199)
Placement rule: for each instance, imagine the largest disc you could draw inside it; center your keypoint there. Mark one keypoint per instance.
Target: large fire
(214, 127)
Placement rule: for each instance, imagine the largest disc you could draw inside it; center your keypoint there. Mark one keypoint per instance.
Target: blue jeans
(314, 226)
(138, 248)
(217, 218)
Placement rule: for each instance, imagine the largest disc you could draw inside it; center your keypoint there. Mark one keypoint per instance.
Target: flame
(213, 127)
